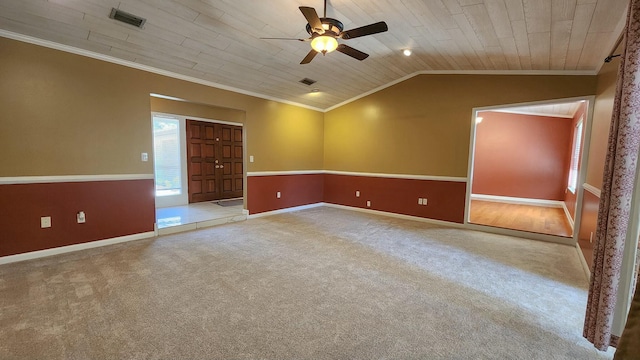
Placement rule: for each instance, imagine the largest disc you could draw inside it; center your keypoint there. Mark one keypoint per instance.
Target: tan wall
(603, 108)
(65, 114)
(422, 125)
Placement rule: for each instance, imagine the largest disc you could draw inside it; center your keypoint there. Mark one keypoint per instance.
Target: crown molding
(532, 113)
(468, 72)
(134, 65)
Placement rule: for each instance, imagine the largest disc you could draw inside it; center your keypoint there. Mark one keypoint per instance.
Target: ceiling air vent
(307, 81)
(127, 18)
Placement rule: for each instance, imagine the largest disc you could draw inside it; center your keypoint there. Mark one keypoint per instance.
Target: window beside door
(167, 160)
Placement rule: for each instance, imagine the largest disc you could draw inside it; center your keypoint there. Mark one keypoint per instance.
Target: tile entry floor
(196, 215)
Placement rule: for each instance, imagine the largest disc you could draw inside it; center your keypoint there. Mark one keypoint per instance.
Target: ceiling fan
(326, 31)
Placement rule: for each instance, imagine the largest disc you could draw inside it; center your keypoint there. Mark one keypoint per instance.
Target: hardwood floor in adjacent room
(537, 219)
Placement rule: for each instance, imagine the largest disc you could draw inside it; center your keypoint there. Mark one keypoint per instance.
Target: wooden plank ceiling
(219, 40)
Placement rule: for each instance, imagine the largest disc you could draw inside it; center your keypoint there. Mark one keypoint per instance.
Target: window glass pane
(166, 146)
(575, 157)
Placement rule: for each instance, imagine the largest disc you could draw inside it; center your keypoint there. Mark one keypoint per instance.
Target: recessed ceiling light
(407, 52)
(315, 90)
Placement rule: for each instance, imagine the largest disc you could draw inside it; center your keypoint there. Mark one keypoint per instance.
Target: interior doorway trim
(581, 175)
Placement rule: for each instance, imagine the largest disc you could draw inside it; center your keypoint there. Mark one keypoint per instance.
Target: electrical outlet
(81, 217)
(45, 222)
(357, 193)
(424, 201)
(368, 203)
(144, 157)
(278, 195)
(419, 201)
(250, 158)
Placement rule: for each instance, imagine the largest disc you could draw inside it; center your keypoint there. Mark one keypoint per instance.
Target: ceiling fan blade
(307, 59)
(348, 50)
(312, 18)
(278, 38)
(365, 30)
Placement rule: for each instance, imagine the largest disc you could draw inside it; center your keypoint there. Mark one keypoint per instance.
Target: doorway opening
(525, 167)
(198, 171)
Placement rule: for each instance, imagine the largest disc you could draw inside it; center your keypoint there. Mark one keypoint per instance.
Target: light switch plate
(250, 158)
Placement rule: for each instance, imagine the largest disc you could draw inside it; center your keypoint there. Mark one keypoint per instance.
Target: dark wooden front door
(214, 156)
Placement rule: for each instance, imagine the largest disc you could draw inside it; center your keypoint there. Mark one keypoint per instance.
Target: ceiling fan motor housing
(331, 26)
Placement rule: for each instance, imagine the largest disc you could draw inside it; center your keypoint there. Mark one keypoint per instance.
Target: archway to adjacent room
(526, 168)
(198, 164)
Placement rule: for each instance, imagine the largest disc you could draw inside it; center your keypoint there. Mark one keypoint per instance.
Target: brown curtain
(617, 190)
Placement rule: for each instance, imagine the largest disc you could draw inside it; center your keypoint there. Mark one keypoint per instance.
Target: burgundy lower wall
(446, 199)
(588, 225)
(295, 190)
(126, 207)
(112, 208)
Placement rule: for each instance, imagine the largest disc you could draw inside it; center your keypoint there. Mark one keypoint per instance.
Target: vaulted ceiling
(218, 41)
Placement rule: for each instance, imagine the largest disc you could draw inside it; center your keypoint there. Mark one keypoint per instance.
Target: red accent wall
(295, 190)
(446, 199)
(112, 208)
(570, 198)
(522, 156)
(588, 224)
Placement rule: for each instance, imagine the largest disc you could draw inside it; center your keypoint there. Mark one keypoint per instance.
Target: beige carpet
(316, 284)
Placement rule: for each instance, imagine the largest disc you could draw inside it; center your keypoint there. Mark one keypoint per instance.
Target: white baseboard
(583, 261)
(517, 200)
(568, 214)
(352, 208)
(522, 234)
(475, 227)
(398, 216)
(282, 211)
(75, 247)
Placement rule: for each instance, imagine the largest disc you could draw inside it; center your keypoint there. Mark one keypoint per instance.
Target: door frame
(582, 174)
(184, 197)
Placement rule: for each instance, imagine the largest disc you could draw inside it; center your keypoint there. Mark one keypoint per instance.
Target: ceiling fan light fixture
(324, 44)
